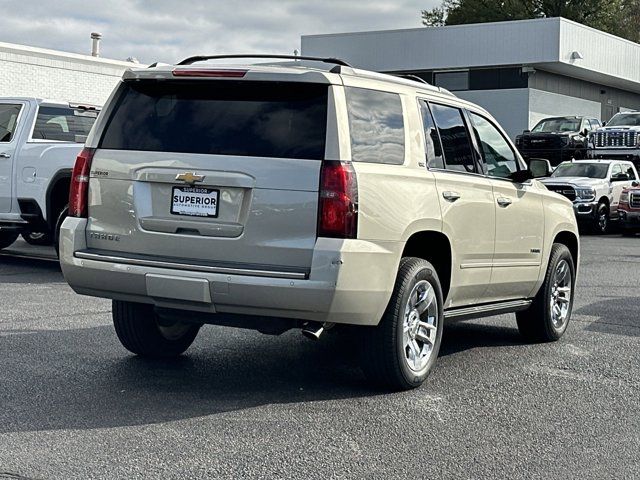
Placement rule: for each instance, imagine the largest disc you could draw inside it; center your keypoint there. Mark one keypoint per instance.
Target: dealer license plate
(195, 201)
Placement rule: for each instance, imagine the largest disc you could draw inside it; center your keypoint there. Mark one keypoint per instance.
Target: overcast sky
(168, 30)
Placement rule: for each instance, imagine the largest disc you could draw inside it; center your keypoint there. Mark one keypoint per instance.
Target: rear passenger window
(500, 160)
(8, 120)
(456, 143)
(63, 124)
(432, 147)
(376, 126)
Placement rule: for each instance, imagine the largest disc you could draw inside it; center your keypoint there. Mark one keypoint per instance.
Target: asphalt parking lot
(75, 404)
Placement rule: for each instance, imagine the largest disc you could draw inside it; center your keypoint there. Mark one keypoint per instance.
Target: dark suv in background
(557, 139)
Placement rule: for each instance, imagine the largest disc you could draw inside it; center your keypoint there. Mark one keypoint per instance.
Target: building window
(453, 81)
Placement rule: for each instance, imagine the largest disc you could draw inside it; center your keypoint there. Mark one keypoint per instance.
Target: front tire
(547, 318)
(140, 331)
(401, 351)
(7, 239)
(601, 221)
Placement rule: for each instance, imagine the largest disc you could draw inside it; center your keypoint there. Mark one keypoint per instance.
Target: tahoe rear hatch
(217, 171)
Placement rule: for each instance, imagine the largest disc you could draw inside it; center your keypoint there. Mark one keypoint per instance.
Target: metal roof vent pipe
(95, 44)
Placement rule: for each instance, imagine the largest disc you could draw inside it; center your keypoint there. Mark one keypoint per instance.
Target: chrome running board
(486, 310)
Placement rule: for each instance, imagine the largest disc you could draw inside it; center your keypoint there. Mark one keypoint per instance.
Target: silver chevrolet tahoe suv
(299, 195)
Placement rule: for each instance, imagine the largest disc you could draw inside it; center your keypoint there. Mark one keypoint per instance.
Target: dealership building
(520, 71)
(70, 77)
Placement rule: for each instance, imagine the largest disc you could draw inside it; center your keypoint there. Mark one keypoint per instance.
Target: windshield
(625, 120)
(590, 170)
(554, 125)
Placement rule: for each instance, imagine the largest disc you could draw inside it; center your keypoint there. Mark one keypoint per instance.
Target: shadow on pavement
(619, 316)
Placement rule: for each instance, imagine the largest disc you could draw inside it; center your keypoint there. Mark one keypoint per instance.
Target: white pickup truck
(39, 141)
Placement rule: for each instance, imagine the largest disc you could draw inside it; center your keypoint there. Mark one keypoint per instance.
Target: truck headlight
(624, 197)
(585, 193)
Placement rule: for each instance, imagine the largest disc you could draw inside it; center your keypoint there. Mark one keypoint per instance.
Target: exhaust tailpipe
(313, 330)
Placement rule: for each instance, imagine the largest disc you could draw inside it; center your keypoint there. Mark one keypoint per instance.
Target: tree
(619, 17)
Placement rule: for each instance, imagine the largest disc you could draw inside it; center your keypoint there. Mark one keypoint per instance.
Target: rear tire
(38, 238)
(139, 332)
(547, 318)
(7, 239)
(401, 351)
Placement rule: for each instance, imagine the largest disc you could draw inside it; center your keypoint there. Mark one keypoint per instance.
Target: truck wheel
(601, 220)
(38, 238)
(140, 332)
(547, 318)
(400, 352)
(7, 238)
(56, 233)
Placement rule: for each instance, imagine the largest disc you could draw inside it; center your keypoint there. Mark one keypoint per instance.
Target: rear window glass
(63, 124)
(257, 119)
(376, 126)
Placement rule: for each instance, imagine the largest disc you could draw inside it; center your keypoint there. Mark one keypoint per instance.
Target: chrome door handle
(451, 196)
(504, 201)
(5, 155)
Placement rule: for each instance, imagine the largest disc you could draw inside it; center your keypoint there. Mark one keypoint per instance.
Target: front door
(519, 217)
(9, 113)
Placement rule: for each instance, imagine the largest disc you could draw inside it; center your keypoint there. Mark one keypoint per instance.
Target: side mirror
(526, 131)
(635, 183)
(604, 124)
(540, 167)
(585, 132)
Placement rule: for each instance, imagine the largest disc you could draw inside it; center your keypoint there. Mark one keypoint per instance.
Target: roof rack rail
(409, 76)
(202, 58)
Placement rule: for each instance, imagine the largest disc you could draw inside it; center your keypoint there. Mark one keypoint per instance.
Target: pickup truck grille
(565, 190)
(621, 139)
(634, 200)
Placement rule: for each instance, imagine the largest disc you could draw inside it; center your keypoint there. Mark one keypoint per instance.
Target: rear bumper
(350, 282)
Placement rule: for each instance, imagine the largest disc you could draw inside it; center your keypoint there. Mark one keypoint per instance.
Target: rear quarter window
(241, 118)
(63, 124)
(376, 126)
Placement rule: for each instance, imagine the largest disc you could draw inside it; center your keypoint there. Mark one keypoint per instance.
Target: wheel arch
(570, 240)
(57, 196)
(434, 247)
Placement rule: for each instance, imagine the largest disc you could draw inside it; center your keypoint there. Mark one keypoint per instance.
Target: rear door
(519, 217)
(466, 200)
(9, 117)
(220, 171)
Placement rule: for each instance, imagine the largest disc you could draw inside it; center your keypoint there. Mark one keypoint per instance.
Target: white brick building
(38, 72)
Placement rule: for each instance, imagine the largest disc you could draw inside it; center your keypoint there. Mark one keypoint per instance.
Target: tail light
(79, 191)
(225, 73)
(338, 205)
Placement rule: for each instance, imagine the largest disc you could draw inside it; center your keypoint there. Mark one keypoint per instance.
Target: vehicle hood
(621, 128)
(577, 181)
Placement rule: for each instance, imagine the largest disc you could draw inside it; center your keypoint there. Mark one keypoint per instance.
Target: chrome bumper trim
(190, 267)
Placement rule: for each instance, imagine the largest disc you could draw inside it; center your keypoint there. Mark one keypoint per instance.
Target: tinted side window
(456, 143)
(8, 120)
(432, 147)
(499, 158)
(376, 126)
(629, 171)
(63, 124)
(254, 119)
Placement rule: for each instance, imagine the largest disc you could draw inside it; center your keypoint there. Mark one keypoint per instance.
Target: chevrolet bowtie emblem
(189, 177)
